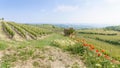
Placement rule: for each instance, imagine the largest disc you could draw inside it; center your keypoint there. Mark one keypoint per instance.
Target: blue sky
(61, 11)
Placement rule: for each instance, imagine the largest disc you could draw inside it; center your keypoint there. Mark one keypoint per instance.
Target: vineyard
(24, 31)
(47, 46)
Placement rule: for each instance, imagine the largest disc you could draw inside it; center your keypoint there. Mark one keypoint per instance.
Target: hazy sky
(61, 11)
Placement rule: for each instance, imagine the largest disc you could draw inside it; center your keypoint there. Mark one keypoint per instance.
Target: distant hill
(49, 27)
(116, 28)
(81, 26)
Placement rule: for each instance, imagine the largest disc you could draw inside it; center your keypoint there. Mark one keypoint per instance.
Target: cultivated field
(46, 46)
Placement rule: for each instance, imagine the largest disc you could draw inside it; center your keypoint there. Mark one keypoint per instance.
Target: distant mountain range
(81, 26)
(78, 26)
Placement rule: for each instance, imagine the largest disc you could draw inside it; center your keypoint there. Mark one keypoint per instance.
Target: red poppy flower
(84, 44)
(97, 51)
(90, 45)
(99, 54)
(87, 44)
(107, 57)
(92, 48)
(102, 50)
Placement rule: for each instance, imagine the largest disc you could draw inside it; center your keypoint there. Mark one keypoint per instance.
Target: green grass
(41, 42)
(111, 49)
(98, 32)
(3, 45)
(35, 43)
(105, 37)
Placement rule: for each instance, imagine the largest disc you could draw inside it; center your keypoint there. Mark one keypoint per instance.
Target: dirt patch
(47, 57)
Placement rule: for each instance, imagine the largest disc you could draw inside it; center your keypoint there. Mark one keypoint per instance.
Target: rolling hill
(30, 46)
(45, 46)
(116, 28)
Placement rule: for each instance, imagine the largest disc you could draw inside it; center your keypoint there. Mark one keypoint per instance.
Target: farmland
(46, 46)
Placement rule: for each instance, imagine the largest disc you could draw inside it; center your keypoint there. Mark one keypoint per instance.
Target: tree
(2, 18)
(69, 31)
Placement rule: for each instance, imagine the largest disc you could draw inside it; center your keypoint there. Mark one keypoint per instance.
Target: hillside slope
(11, 30)
(37, 54)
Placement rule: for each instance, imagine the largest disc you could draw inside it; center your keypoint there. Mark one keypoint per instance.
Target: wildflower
(89, 45)
(85, 44)
(98, 65)
(107, 57)
(97, 51)
(91, 48)
(103, 51)
(99, 54)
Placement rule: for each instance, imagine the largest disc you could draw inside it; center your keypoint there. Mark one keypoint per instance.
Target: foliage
(76, 49)
(93, 57)
(68, 31)
(3, 45)
(63, 42)
(97, 58)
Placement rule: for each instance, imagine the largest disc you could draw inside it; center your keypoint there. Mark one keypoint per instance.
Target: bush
(76, 49)
(69, 31)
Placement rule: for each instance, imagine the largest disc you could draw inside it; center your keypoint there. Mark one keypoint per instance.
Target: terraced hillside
(45, 46)
(11, 30)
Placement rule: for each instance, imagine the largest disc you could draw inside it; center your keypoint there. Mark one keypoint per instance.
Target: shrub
(76, 49)
(68, 31)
